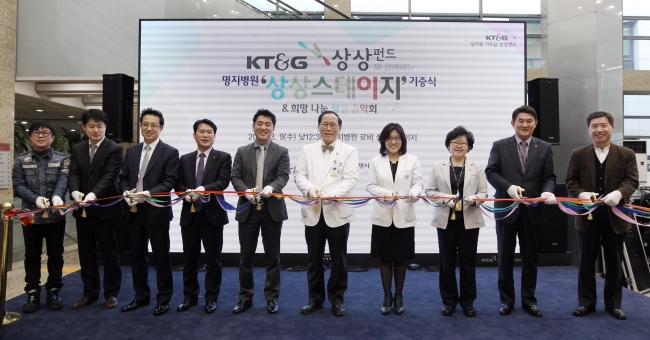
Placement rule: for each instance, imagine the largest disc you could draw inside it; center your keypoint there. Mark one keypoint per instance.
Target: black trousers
(199, 230)
(140, 233)
(92, 232)
(528, 234)
(337, 238)
(453, 241)
(600, 233)
(248, 234)
(33, 235)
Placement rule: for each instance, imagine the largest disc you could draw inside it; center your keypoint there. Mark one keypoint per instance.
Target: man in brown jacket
(609, 172)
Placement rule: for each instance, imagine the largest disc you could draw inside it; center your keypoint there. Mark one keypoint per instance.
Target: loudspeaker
(117, 102)
(543, 96)
(553, 232)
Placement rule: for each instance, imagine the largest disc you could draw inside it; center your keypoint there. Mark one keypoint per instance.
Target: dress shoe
(338, 309)
(211, 307)
(399, 304)
(53, 300)
(272, 306)
(135, 304)
(33, 301)
(447, 310)
(388, 304)
(242, 306)
(310, 308)
(111, 302)
(533, 310)
(506, 309)
(186, 304)
(583, 311)
(469, 312)
(617, 313)
(161, 308)
(83, 302)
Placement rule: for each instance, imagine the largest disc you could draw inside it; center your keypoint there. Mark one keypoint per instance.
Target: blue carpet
(556, 293)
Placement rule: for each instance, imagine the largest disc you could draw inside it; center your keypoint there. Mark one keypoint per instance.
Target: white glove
(550, 198)
(414, 196)
(188, 197)
(252, 198)
(42, 202)
(613, 198)
(199, 188)
(126, 194)
(56, 200)
(586, 196)
(513, 191)
(143, 193)
(267, 191)
(131, 203)
(312, 192)
(90, 197)
(471, 200)
(76, 196)
(451, 204)
(135, 198)
(192, 196)
(323, 201)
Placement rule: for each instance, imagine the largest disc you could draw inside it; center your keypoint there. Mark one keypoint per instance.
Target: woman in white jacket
(394, 173)
(460, 181)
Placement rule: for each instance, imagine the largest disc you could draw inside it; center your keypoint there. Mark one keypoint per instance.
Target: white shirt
(152, 146)
(198, 158)
(602, 153)
(519, 140)
(90, 149)
(327, 154)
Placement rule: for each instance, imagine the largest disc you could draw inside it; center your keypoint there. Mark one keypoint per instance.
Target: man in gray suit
(260, 168)
(520, 166)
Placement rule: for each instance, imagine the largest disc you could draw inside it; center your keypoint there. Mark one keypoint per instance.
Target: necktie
(93, 149)
(327, 147)
(143, 168)
(523, 154)
(199, 170)
(259, 178)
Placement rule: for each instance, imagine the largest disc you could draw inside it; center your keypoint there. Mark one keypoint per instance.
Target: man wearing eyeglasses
(150, 167)
(40, 179)
(327, 169)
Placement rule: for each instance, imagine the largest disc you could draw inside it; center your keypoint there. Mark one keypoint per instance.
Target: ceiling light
(39, 110)
(232, 11)
(70, 116)
(580, 7)
(602, 65)
(215, 15)
(27, 130)
(336, 5)
(611, 6)
(73, 130)
(79, 123)
(23, 122)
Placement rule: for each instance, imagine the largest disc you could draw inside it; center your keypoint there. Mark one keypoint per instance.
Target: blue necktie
(199, 170)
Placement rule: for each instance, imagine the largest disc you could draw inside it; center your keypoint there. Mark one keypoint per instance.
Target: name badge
(29, 166)
(54, 165)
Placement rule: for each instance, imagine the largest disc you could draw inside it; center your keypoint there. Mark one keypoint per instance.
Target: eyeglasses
(394, 139)
(44, 133)
(147, 125)
(459, 144)
(331, 125)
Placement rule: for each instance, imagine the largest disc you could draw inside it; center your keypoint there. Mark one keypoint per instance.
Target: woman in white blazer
(394, 173)
(460, 181)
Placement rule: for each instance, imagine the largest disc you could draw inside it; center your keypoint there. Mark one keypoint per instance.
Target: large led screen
(428, 76)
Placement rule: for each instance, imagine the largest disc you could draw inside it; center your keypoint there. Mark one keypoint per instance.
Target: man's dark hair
(385, 134)
(320, 117)
(599, 114)
(35, 126)
(205, 121)
(150, 111)
(523, 109)
(265, 113)
(457, 132)
(94, 114)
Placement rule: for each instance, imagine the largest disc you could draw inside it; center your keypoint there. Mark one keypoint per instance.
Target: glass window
(374, 6)
(534, 52)
(636, 105)
(636, 27)
(638, 128)
(446, 7)
(636, 54)
(636, 8)
(511, 6)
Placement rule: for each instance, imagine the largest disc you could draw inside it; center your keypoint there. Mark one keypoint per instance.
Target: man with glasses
(149, 168)
(327, 169)
(520, 166)
(40, 179)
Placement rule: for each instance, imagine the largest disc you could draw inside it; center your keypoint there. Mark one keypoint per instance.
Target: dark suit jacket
(276, 174)
(160, 176)
(621, 173)
(504, 169)
(216, 176)
(98, 177)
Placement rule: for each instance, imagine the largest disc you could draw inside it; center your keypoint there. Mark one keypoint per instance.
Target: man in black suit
(201, 170)
(94, 167)
(148, 168)
(262, 165)
(519, 166)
